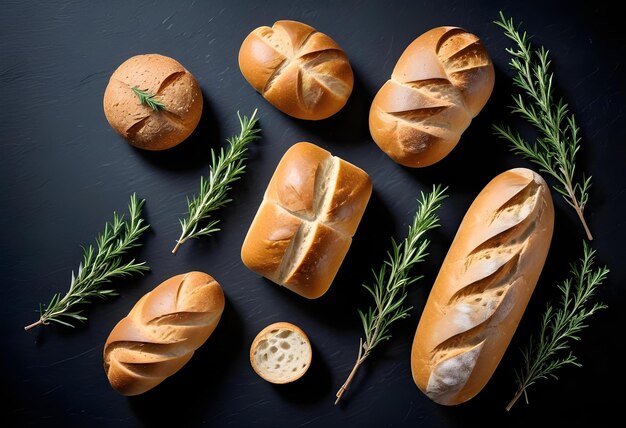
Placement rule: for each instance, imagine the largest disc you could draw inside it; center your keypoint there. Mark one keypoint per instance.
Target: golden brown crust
(293, 183)
(441, 81)
(162, 331)
(483, 287)
(304, 226)
(300, 71)
(268, 239)
(349, 194)
(317, 263)
(172, 85)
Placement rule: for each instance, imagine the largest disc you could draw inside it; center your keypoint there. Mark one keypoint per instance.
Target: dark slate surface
(63, 171)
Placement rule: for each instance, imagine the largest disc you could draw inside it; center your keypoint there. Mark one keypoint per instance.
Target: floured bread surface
(448, 377)
(304, 226)
(281, 353)
(483, 287)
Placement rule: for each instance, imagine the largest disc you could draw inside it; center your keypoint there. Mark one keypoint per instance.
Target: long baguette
(483, 287)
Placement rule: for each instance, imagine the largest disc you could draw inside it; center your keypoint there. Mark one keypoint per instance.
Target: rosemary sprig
(391, 281)
(558, 143)
(544, 356)
(226, 168)
(97, 268)
(148, 99)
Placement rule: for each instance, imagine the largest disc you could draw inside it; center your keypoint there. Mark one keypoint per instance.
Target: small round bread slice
(281, 353)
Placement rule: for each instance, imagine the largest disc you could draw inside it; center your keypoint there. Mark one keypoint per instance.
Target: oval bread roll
(281, 353)
(300, 71)
(162, 331)
(483, 287)
(305, 223)
(442, 80)
(171, 84)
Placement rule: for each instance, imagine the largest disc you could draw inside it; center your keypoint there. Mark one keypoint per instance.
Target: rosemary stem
(359, 361)
(33, 325)
(561, 324)
(227, 165)
(100, 263)
(582, 219)
(514, 400)
(579, 212)
(179, 242)
(556, 148)
(390, 282)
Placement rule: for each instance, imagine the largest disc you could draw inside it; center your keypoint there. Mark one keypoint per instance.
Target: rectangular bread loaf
(303, 228)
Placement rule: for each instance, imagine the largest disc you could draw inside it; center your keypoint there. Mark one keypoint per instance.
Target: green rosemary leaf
(98, 268)
(393, 278)
(226, 168)
(148, 99)
(560, 325)
(558, 143)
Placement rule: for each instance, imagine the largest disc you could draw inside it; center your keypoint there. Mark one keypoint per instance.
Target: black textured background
(63, 171)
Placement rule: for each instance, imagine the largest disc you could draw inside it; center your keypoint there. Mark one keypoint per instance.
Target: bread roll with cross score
(303, 228)
(483, 287)
(300, 71)
(162, 331)
(440, 83)
(171, 84)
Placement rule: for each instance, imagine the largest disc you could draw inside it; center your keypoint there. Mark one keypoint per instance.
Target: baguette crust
(441, 81)
(483, 287)
(300, 71)
(304, 226)
(171, 84)
(162, 331)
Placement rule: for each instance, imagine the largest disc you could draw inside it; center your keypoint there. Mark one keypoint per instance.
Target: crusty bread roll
(171, 84)
(300, 71)
(442, 80)
(305, 223)
(483, 287)
(281, 353)
(162, 331)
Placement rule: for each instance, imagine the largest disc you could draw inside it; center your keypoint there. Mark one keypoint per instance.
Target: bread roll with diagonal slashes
(305, 223)
(440, 83)
(162, 332)
(483, 287)
(300, 71)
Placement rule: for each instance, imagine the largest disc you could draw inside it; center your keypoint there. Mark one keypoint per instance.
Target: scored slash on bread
(281, 353)
(162, 331)
(440, 83)
(300, 71)
(305, 223)
(171, 84)
(483, 287)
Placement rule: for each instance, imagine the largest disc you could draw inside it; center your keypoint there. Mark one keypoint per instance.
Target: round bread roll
(300, 71)
(153, 126)
(281, 353)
